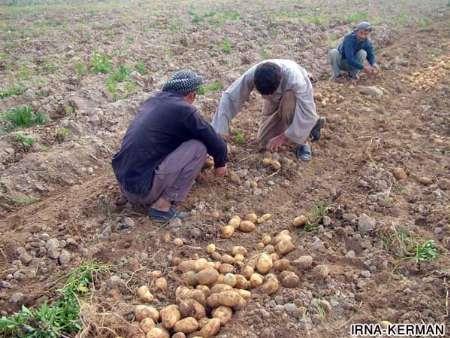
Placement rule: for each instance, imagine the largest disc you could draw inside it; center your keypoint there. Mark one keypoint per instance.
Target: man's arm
(202, 131)
(232, 101)
(368, 47)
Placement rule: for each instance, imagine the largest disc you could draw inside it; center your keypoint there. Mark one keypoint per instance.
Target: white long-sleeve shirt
(294, 78)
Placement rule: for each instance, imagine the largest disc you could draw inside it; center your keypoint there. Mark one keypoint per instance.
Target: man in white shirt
(289, 110)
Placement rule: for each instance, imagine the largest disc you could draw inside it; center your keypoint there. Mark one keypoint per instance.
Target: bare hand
(220, 171)
(276, 142)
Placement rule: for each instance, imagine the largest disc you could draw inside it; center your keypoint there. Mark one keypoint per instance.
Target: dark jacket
(162, 123)
(351, 45)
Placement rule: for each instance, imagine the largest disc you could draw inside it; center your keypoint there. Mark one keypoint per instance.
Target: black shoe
(315, 132)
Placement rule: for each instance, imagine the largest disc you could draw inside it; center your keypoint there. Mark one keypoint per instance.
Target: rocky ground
(381, 169)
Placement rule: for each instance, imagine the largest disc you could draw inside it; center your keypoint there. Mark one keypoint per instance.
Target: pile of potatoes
(248, 224)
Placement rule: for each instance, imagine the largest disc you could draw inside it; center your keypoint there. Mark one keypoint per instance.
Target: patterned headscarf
(183, 82)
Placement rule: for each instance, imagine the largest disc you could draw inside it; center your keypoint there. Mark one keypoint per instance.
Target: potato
(237, 249)
(281, 264)
(264, 263)
(321, 271)
(183, 292)
(251, 217)
(147, 324)
(256, 280)
(275, 164)
(260, 246)
(270, 285)
(216, 265)
(227, 231)
(234, 222)
(216, 256)
(211, 328)
(252, 261)
(241, 282)
(207, 276)
(157, 332)
(228, 259)
(210, 248)
(156, 274)
(245, 294)
(169, 316)
(285, 246)
(304, 262)
(247, 271)
(146, 311)
(202, 322)
(220, 287)
(220, 279)
(144, 294)
(161, 284)
(189, 278)
(191, 308)
(200, 264)
(274, 257)
(230, 298)
(239, 258)
(285, 234)
(179, 335)
(289, 279)
(175, 261)
(266, 239)
(223, 313)
(230, 279)
(269, 249)
(178, 241)
(299, 221)
(203, 288)
(266, 161)
(264, 218)
(186, 325)
(247, 226)
(226, 268)
(167, 237)
(185, 266)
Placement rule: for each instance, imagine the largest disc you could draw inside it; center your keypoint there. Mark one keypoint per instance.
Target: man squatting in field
(351, 54)
(289, 111)
(165, 148)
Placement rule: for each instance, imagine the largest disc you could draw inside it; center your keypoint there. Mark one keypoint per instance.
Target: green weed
(357, 17)
(425, 252)
(22, 117)
(225, 46)
(239, 137)
(21, 200)
(59, 319)
(120, 75)
(24, 141)
(214, 17)
(81, 69)
(13, 90)
(101, 63)
(62, 134)
(24, 72)
(211, 87)
(141, 68)
(264, 54)
(315, 216)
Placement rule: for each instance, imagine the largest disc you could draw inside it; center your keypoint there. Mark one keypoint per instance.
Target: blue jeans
(338, 64)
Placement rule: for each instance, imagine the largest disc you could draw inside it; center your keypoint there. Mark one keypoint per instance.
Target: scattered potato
(264, 263)
(210, 248)
(161, 284)
(227, 231)
(230, 279)
(220, 287)
(274, 257)
(285, 246)
(282, 264)
(228, 259)
(266, 161)
(178, 241)
(175, 261)
(186, 325)
(266, 239)
(304, 262)
(223, 313)
(191, 308)
(186, 266)
(269, 249)
(156, 274)
(211, 328)
(270, 285)
(241, 282)
(247, 271)
(245, 294)
(256, 280)
(146, 311)
(251, 217)
(289, 279)
(239, 258)
(183, 292)
(247, 226)
(234, 221)
(179, 335)
(147, 324)
(321, 271)
(264, 218)
(216, 256)
(157, 332)
(239, 250)
(299, 221)
(189, 278)
(230, 298)
(204, 289)
(207, 276)
(202, 322)
(200, 264)
(220, 279)
(144, 294)
(169, 316)
(260, 246)
(283, 235)
(167, 237)
(226, 268)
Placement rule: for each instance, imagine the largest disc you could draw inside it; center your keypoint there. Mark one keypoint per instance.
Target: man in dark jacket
(352, 52)
(165, 148)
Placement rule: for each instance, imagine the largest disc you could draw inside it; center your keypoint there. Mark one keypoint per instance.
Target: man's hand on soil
(220, 171)
(277, 142)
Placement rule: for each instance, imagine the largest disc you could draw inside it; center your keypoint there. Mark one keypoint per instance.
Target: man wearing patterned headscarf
(165, 148)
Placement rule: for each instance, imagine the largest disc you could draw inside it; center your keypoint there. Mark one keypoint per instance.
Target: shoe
(303, 152)
(315, 132)
(164, 216)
